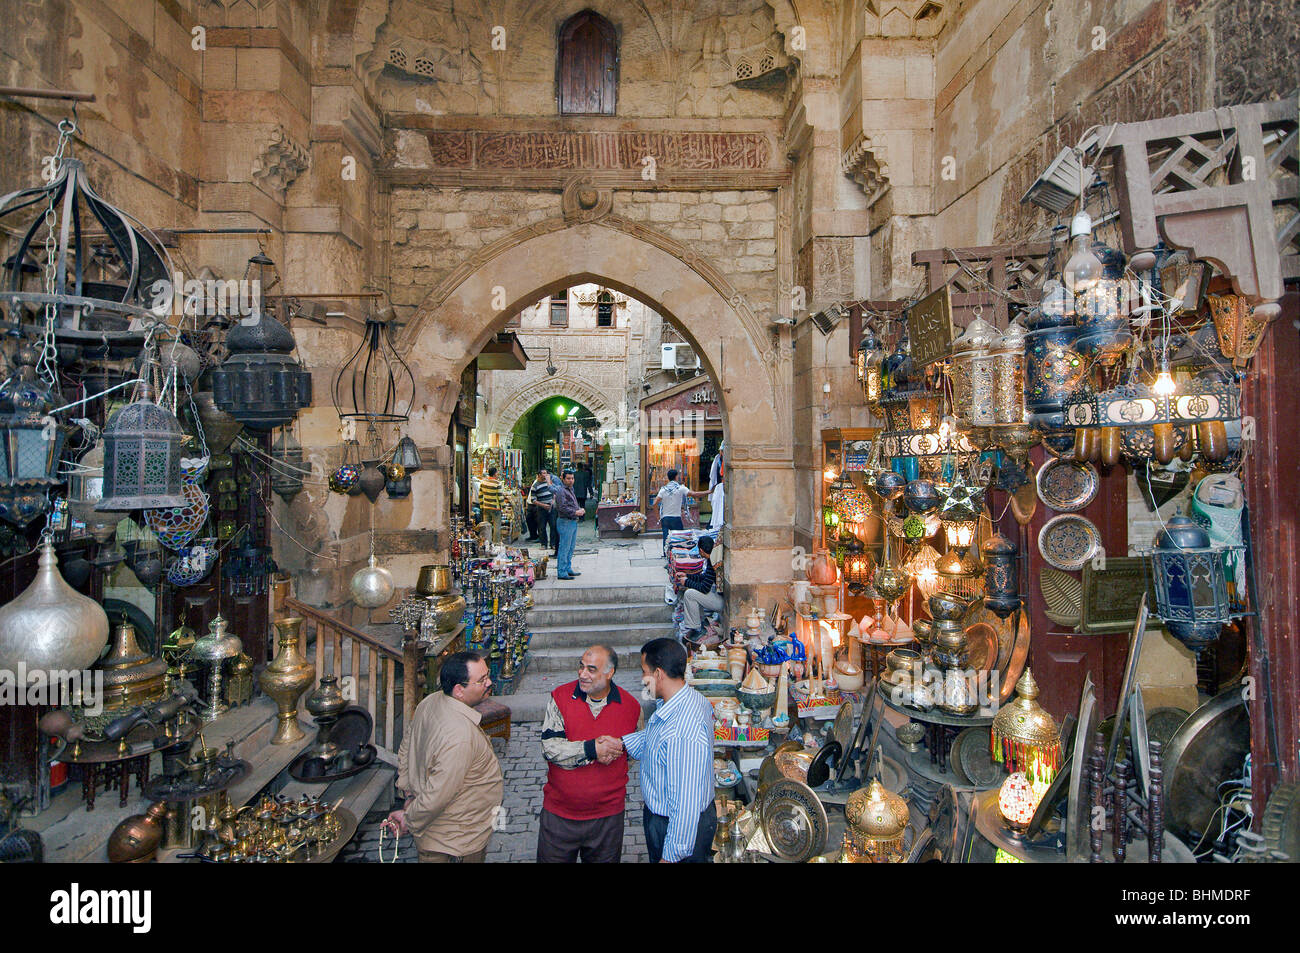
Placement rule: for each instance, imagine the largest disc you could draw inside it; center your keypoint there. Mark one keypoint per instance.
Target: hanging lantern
(260, 384)
(1195, 592)
(1025, 737)
(971, 373)
(960, 534)
(142, 457)
(287, 471)
(1009, 376)
(1240, 330)
(923, 568)
(859, 568)
(1018, 802)
(193, 563)
(246, 570)
(372, 585)
(871, 361)
(219, 428)
(176, 526)
(1001, 581)
(375, 384)
(50, 626)
(407, 454)
(959, 576)
(852, 505)
(398, 483)
(30, 442)
(347, 476)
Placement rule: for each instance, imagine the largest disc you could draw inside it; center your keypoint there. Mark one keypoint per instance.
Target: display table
(940, 726)
(607, 515)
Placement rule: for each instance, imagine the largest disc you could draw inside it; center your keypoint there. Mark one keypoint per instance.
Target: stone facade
(766, 158)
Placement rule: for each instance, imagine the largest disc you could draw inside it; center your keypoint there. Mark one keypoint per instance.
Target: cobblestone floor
(524, 769)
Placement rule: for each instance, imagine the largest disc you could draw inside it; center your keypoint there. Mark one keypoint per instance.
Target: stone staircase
(568, 618)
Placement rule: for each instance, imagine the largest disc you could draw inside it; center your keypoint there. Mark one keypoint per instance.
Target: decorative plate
(793, 820)
(1068, 542)
(982, 646)
(976, 760)
(1062, 597)
(1067, 486)
(842, 727)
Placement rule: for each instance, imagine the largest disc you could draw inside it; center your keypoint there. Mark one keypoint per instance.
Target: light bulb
(1083, 268)
(1164, 385)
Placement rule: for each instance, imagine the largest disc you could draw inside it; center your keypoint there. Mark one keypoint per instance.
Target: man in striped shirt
(489, 501)
(676, 753)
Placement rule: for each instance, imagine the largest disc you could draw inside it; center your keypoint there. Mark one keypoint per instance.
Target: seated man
(701, 594)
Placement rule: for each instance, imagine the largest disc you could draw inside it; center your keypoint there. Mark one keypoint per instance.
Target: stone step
(567, 594)
(564, 659)
(529, 705)
(596, 613)
(626, 633)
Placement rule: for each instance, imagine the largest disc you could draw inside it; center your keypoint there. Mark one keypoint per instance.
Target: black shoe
(565, 578)
(576, 573)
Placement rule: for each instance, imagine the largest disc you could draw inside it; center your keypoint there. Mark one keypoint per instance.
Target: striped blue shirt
(676, 753)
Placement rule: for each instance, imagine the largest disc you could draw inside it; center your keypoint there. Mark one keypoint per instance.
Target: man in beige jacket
(447, 767)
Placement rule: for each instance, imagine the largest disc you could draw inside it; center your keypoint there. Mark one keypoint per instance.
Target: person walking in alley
(676, 753)
(448, 769)
(701, 594)
(489, 501)
(568, 512)
(586, 780)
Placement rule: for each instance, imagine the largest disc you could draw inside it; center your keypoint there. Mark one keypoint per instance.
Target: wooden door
(587, 67)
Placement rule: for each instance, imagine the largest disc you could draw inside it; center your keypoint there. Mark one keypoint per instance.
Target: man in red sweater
(586, 784)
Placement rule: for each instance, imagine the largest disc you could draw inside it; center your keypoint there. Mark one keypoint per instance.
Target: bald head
(596, 671)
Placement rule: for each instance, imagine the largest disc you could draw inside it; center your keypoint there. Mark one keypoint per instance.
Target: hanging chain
(47, 362)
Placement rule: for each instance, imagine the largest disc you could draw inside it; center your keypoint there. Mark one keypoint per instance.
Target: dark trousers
(530, 519)
(562, 841)
(656, 830)
(554, 521)
(582, 505)
(666, 523)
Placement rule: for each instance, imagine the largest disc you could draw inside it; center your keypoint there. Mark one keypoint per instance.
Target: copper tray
(975, 759)
(793, 820)
(1066, 485)
(1067, 542)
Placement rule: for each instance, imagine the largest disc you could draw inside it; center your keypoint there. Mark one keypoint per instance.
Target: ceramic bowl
(757, 701)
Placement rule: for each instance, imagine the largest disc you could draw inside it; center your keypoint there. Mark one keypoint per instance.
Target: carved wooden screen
(587, 69)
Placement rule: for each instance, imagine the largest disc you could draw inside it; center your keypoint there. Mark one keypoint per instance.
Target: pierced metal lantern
(246, 570)
(959, 575)
(398, 484)
(142, 458)
(260, 384)
(1025, 737)
(1195, 593)
(877, 821)
(871, 360)
(971, 373)
(30, 442)
(407, 454)
(858, 570)
(287, 471)
(1001, 581)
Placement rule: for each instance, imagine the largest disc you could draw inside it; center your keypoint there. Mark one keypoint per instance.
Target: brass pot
(447, 610)
(131, 676)
(433, 580)
(285, 679)
(326, 703)
(136, 839)
(948, 644)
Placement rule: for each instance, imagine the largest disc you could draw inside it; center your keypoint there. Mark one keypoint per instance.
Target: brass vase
(285, 679)
(446, 607)
(326, 703)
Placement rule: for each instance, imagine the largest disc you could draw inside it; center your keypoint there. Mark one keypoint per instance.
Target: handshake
(608, 748)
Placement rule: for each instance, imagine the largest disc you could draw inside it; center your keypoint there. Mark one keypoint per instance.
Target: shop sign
(929, 327)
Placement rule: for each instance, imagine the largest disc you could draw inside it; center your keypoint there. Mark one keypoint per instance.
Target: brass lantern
(30, 442)
(877, 821)
(1240, 331)
(871, 360)
(971, 372)
(1025, 737)
(859, 568)
(142, 457)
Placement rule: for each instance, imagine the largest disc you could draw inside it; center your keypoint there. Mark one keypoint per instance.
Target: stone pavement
(524, 770)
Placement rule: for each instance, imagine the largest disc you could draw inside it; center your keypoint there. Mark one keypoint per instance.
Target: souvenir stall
(1020, 396)
(683, 433)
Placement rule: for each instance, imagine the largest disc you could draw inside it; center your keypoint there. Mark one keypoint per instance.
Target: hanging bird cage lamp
(375, 384)
(142, 457)
(111, 274)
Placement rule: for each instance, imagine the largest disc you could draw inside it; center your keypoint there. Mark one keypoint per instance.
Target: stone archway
(562, 385)
(754, 379)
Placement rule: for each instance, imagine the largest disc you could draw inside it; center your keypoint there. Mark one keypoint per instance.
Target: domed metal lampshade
(142, 458)
(1025, 737)
(260, 384)
(50, 626)
(877, 820)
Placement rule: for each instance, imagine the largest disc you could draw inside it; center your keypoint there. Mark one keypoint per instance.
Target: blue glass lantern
(1194, 594)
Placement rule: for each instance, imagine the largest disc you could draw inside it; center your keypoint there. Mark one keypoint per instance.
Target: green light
(559, 411)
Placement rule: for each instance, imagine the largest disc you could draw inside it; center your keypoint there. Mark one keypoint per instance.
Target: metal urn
(135, 840)
(326, 703)
(284, 680)
(372, 586)
(213, 649)
(50, 625)
(444, 606)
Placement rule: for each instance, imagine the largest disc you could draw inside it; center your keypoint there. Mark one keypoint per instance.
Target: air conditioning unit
(679, 357)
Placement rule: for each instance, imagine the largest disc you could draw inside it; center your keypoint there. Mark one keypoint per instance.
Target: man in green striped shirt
(489, 501)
